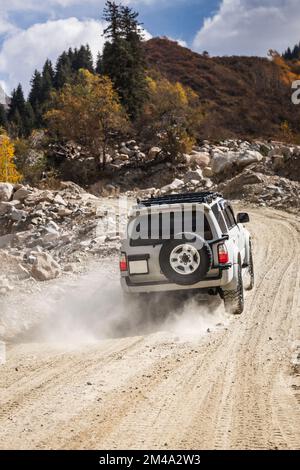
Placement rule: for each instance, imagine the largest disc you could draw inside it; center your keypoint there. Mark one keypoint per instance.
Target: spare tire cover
(186, 259)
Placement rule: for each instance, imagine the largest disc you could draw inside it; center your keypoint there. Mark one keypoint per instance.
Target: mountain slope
(244, 96)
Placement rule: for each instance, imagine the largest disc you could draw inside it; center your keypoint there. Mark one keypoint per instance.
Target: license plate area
(138, 265)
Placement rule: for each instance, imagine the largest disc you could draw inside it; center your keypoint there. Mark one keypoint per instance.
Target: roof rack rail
(200, 198)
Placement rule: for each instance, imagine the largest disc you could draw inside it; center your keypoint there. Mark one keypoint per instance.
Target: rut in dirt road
(233, 388)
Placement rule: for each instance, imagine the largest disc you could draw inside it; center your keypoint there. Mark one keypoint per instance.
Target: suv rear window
(154, 228)
(218, 215)
(229, 217)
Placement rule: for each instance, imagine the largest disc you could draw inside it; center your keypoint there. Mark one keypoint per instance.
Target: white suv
(188, 242)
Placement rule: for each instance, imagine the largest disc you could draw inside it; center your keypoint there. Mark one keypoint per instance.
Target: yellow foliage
(181, 92)
(287, 75)
(286, 132)
(151, 84)
(87, 112)
(172, 116)
(8, 170)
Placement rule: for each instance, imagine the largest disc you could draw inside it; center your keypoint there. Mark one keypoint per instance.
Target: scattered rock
(21, 194)
(175, 185)
(153, 152)
(201, 159)
(195, 175)
(6, 191)
(207, 172)
(45, 267)
(5, 286)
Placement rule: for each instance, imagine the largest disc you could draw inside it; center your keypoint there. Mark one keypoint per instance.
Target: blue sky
(32, 30)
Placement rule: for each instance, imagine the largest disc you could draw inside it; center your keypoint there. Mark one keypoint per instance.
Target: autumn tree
(286, 72)
(8, 170)
(88, 112)
(171, 117)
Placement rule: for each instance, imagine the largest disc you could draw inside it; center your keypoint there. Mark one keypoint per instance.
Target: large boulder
(45, 267)
(201, 159)
(5, 207)
(195, 175)
(17, 215)
(246, 178)
(222, 162)
(174, 186)
(22, 194)
(248, 157)
(278, 162)
(153, 152)
(6, 191)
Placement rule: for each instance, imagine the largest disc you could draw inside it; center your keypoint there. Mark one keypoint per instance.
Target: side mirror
(243, 218)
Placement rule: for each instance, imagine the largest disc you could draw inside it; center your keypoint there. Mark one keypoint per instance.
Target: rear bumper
(130, 285)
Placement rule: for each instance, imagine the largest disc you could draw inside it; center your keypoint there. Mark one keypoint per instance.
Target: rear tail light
(123, 263)
(223, 254)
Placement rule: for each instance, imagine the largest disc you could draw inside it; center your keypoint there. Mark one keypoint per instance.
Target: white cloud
(28, 49)
(181, 42)
(23, 50)
(38, 5)
(250, 27)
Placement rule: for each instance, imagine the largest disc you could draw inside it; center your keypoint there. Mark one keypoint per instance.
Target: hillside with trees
(155, 91)
(246, 97)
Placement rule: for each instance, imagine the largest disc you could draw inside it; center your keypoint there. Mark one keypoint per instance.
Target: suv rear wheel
(249, 276)
(234, 299)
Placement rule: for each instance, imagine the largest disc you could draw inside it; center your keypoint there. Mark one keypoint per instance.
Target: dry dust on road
(194, 379)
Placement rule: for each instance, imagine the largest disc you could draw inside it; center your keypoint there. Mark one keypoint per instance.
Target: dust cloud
(93, 308)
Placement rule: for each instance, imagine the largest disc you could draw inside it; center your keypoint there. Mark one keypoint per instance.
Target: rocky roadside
(260, 173)
(46, 233)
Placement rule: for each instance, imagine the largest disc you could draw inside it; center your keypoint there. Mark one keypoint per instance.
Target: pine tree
(47, 82)
(83, 59)
(48, 70)
(3, 116)
(99, 65)
(292, 54)
(63, 73)
(123, 56)
(17, 111)
(29, 119)
(112, 15)
(35, 94)
(36, 98)
(17, 102)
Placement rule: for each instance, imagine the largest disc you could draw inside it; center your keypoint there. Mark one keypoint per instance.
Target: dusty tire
(234, 299)
(250, 279)
(199, 261)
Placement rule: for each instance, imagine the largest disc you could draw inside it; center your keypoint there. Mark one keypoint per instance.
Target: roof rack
(200, 198)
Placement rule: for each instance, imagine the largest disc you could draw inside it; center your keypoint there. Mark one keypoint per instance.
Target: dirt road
(233, 387)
